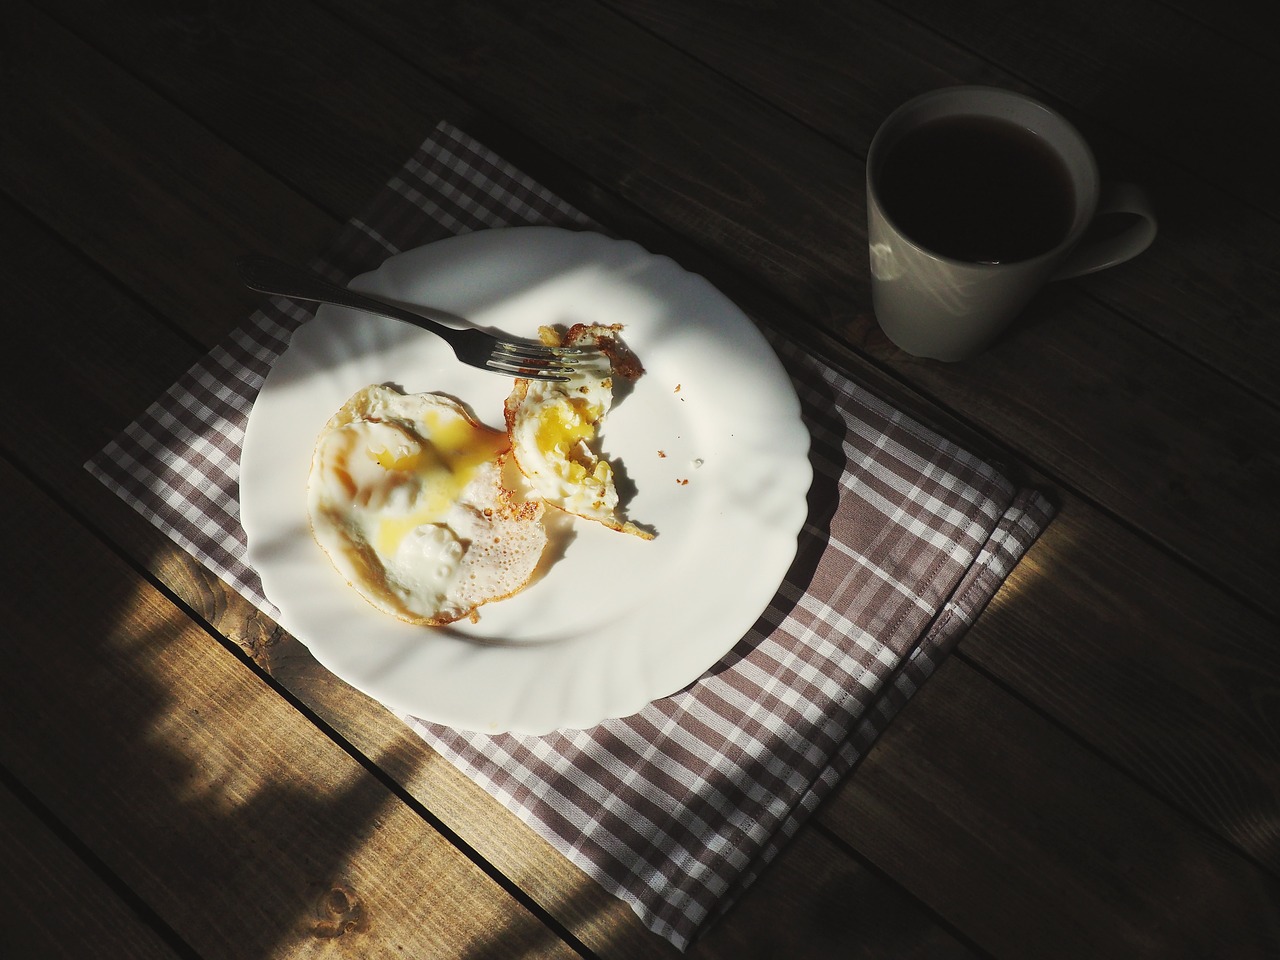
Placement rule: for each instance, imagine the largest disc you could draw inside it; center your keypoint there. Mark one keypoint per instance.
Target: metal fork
(516, 358)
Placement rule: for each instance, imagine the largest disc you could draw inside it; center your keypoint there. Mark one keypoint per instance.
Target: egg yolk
(449, 452)
(562, 427)
(397, 459)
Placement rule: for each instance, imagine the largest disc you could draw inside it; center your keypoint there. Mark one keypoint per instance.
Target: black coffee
(977, 189)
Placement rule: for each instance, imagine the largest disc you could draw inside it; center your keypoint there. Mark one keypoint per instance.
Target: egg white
(554, 426)
(416, 507)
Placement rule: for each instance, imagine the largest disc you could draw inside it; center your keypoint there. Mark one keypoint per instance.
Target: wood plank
(314, 86)
(240, 823)
(997, 833)
(1103, 676)
(53, 441)
(1142, 429)
(60, 298)
(1167, 675)
(129, 359)
(703, 157)
(63, 908)
(448, 795)
(1169, 681)
(1142, 67)
(1183, 399)
(170, 207)
(772, 48)
(1205, 287)
(668, 148)
(1244, 22)
(1068, 638)
(1104, 715)
(834, 907)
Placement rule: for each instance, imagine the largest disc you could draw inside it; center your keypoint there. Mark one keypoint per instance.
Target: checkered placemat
(677, 808)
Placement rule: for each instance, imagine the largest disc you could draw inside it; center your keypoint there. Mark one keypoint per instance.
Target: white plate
(710, 437)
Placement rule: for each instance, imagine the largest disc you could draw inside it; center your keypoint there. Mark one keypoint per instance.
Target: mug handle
(1099, 254)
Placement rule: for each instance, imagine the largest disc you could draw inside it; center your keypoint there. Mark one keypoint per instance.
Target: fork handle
(268, 275)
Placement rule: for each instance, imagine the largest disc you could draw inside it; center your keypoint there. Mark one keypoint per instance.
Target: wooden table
(1093, 773)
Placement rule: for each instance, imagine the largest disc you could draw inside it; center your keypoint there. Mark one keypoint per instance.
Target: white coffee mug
(948, 304)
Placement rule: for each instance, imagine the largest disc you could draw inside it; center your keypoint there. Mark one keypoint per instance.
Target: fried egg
(419, 507)
(554, 427)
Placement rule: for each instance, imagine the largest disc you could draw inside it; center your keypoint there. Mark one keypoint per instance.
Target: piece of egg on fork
(553, 426)
(416, 506)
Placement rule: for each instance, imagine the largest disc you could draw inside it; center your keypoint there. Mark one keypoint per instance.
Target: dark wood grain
(1242, 22)
(844, 68)
(1106, 715)
(1171, 458)
(1094, 772)
(135, 348)
(1099, 872)
(835, 906)
(1167, 719)
(1027, 390)
(724, 181)
(60, 902)
(72, 126)
(1144, 69)
(213, 798)
(136, 358)
(113, 326)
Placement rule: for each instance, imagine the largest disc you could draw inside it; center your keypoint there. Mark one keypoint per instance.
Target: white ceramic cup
(936, 306)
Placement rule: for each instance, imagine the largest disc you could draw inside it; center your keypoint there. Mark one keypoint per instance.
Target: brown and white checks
(677, 808)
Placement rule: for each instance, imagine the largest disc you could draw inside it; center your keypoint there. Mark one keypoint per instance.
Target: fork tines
(536, 361)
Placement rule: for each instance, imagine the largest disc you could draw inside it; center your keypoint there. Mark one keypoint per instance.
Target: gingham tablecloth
(678, 808)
